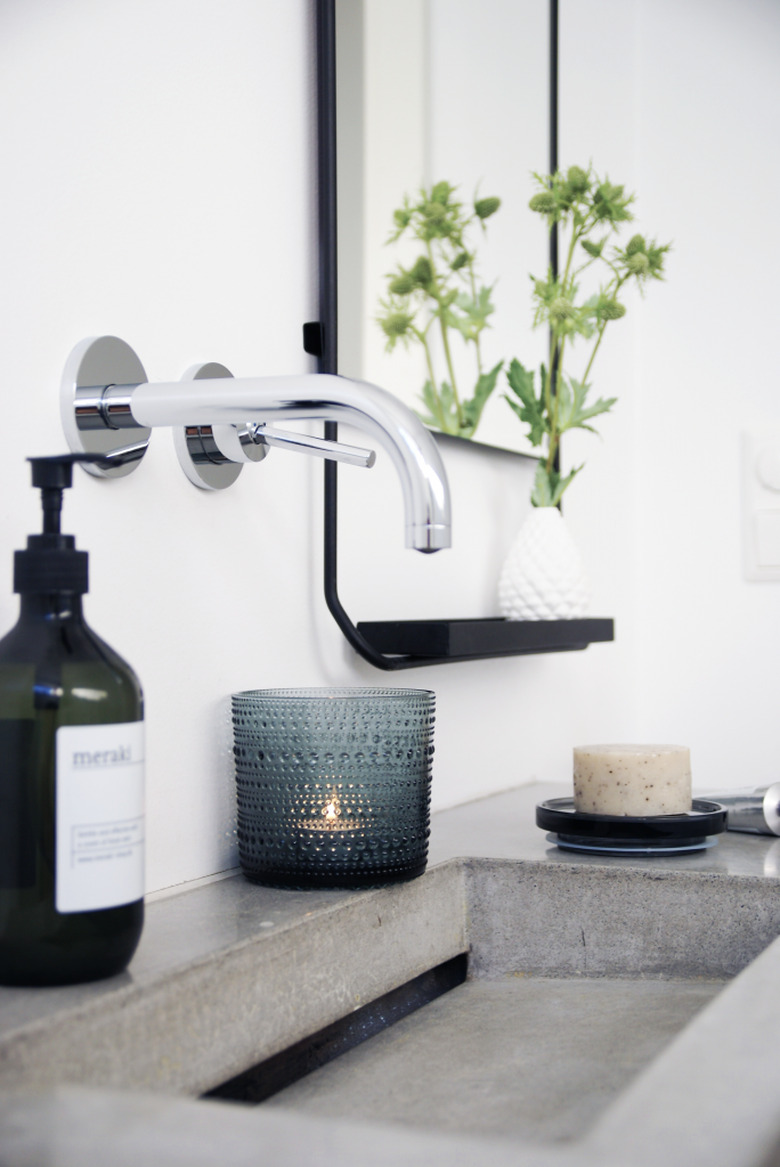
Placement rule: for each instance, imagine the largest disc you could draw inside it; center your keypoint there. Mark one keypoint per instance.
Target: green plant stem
(445, 339)
(556, 362)
(423, 339)
(602, 329)
(477, 345)
(557, 346)
(548, 391)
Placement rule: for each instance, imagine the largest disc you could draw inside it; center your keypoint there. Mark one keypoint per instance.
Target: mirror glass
(432, 91)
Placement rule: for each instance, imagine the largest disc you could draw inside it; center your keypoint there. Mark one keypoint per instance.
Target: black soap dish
(607, 834)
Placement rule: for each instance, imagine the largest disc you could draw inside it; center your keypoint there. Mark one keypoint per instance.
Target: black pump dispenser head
(51, 562)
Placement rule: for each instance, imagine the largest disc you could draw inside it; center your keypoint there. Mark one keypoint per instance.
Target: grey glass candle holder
(333, 786)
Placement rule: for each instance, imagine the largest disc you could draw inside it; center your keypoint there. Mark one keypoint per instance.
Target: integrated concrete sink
(577, 980)
(514, 1050)
(606, 1004)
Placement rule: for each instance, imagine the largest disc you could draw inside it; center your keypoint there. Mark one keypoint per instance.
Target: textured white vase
(543, 577)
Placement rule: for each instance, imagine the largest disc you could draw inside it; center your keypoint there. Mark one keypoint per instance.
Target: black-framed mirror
(403, 644)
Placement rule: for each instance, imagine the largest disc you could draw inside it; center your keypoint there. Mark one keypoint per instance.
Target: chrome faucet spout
(317, 396)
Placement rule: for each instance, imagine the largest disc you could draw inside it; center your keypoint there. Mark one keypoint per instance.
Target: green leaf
(442, 409)
(541, 493)
(548, 485)
(447, 396)
(531, 409)
(430, 399)
(594, 250)
(486, 383)
(572, 411)
(474, 313)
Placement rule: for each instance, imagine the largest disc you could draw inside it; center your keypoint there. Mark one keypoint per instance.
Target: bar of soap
(632, 780)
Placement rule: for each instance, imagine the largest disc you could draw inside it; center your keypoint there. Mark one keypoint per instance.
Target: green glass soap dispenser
(71, 771)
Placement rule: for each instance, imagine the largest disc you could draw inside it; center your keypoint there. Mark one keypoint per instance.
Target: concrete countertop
(232, 973)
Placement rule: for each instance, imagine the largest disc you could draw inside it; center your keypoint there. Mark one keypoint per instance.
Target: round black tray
(622, 834)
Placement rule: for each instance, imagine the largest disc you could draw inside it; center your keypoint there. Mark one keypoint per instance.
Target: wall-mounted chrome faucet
(221, 422)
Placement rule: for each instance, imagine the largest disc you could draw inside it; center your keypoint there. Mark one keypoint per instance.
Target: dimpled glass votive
(333, 785)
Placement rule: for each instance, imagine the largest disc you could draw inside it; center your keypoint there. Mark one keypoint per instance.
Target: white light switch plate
(761, 503)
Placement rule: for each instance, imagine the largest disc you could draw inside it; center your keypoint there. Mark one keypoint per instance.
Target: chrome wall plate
(199, 455)
(96, 383)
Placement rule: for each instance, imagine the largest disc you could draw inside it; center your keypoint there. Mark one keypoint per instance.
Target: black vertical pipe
(553, 115)
(327, 206)
(327, 211)
(553, 163)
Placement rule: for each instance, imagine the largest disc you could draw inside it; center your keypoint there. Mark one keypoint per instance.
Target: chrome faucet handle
(305, 444)
(212, 455)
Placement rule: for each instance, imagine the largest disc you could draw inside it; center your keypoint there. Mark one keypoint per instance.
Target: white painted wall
(159, 185)
(679, 98)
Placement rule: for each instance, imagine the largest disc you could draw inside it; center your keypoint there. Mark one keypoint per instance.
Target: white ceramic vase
(543, 577)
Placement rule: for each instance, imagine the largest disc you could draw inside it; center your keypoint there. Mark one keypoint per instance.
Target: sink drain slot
(283, 1069)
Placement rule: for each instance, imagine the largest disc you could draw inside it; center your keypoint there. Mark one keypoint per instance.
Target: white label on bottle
(99, 816)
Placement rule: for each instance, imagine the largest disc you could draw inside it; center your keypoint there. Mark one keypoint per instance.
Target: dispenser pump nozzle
(51, 562)
(52, 475)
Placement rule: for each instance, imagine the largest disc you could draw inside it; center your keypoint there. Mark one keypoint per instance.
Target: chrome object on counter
(755, 811)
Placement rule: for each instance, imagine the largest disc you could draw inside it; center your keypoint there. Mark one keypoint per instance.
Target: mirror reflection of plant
(585, 206)
(439, 292)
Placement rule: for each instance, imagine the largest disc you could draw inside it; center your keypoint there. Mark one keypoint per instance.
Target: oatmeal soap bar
(632, 780)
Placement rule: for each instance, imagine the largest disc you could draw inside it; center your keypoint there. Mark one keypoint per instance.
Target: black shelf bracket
(354, 634)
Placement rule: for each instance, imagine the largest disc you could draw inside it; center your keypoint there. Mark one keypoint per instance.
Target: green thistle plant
(439, 292)
(584, 205)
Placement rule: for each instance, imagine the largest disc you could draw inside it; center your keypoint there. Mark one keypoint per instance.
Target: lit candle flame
(332, 810)
(331, 817)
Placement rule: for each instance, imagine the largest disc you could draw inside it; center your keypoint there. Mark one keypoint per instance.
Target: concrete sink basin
(577, 980)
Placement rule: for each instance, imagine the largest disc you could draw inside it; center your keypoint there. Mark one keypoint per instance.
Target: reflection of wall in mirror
(433, 90)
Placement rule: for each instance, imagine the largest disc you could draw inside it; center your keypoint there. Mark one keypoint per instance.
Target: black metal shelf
(460, 640)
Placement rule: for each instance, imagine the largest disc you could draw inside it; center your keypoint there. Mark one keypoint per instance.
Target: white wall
(159, 185)
(679, 98)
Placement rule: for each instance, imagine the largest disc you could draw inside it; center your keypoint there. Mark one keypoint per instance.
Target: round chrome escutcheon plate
(95, 366)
